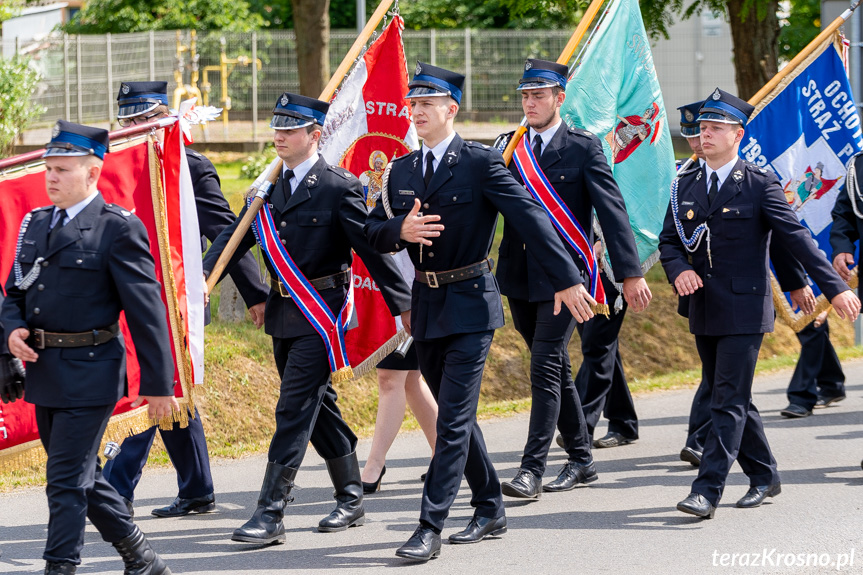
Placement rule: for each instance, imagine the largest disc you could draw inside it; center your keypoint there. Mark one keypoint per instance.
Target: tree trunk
(312, 27)
(231, 305)
(756, 45)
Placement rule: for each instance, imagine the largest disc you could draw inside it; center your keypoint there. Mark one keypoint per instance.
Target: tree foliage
(17, 84)
(801, 26)
(115, 16)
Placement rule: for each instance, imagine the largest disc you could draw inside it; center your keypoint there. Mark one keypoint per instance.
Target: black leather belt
(40, 339)
(326, 282)
(437, 279)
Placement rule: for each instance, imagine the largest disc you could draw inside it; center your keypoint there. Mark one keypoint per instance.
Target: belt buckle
(39, 338)
(431, 278)
(283, 291)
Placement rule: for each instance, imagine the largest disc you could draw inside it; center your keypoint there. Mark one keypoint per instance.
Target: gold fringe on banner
(371, 361)
(344, 374)
(797, 320)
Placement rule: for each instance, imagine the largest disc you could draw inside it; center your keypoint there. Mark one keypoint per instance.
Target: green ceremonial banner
(614, 93)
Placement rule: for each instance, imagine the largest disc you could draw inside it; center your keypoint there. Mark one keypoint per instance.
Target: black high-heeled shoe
(376, 486)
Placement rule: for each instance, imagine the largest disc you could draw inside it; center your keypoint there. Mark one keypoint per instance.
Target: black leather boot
(139, 557)
(266, 525)
(60, 568)
(349, 512)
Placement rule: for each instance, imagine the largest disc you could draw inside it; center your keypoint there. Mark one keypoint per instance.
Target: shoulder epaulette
(346, 174)
(115, 209)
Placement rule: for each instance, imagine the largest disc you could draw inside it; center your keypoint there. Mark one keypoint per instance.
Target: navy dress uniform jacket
(98, 265)
(214, 215)
(577, 168)
(318, 225)
(736, 297)
(470, 185)
(847, 227)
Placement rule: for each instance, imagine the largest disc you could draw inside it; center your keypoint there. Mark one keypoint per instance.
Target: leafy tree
(803, 24)
(17, 84)
(312, 27)
(115, 16)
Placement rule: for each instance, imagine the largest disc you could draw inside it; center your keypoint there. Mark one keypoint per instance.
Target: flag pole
(329, 90)
(564, 58)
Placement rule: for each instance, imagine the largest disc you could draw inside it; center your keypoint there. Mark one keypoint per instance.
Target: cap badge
(125, 88)
(716, 94)
(56, 130)
(419, 69)
(527, 65)
(284, 101)
(688, 115)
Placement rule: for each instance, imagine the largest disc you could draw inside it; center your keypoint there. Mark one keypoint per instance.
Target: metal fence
(81, 74)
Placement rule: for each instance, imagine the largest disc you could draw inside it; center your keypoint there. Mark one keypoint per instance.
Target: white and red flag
(368, 125)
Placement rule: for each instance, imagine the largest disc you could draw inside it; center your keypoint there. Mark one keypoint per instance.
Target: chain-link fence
(81, 74)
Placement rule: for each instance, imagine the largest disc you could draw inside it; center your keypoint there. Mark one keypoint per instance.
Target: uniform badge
(725, 210)
(284, 101)
(312, 179)
(125, 213)
(450, 157)
(698, 176)
(416, 161)
(690, 214)
(688, 115)
(55, 131)
(527, 65)
(737, 175)
(716, 94)
(406, 193)
(125, 88)
(419, 69)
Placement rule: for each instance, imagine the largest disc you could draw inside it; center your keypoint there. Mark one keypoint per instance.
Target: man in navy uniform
(80, 263)
(456, 303)
(574, 163)
(737, 205)
(319, 211)
(139, 103)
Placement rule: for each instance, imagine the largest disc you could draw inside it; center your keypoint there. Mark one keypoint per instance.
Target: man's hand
(687, 283)
(803, 299)
(206, 292)
(597, 254)
(577, 300)
(257, 313)
(847, 305)
(406, 321)
(841, 263)
(18, 345)
(158, 406)
(416, 229)
(636, 293)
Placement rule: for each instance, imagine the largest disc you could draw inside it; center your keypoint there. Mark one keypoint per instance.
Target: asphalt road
(624, 523)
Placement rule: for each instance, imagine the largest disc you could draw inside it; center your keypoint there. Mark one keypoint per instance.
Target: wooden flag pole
(328, 92)
(564, 58)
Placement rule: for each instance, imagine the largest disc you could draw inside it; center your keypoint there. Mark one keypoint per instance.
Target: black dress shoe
(697, 504)
(612, 439)
(691, 456)
(526, 485)
(571, 475)
(376, 486)
(757, 494)
(423, 545)
(58, 568)
(794, 411)
(181, 507)
(824, 401)
(478, 529)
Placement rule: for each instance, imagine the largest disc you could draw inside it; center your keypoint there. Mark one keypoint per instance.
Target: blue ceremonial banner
(806, 130)
(614, 93)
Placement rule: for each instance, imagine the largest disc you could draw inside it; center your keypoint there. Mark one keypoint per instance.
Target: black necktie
(537, 146)
(429, 168)
(61, 221)
(288, 174)
(714, 188)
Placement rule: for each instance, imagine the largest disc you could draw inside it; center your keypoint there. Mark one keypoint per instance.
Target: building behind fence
(81, 74)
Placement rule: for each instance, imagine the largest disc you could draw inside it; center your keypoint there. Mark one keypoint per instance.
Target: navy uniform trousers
(600, 381)
(818, 372)
(76, 487)
(187, 446)
(554, 397)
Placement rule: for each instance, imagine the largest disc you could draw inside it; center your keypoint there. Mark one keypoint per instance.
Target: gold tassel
(344, 374)
(601, 309)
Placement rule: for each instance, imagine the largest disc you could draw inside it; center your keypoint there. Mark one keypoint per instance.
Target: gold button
(425, 206)
(283, 224)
